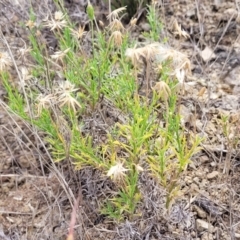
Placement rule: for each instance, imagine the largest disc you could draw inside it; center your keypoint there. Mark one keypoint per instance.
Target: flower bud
(90, 11)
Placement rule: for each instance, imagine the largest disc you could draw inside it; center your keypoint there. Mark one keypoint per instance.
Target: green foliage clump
(149, 135)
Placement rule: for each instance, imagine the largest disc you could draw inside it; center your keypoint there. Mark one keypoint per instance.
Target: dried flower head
(58, 16)
(30, 24)
(66, 86)
(58, 22)
(135, 56)
(69, 100)
(117, 38)
(25, 74)
(180, 75)
(65, 97)
(117, 172)
(177, 29)
(101, 23)
(79, 33)
(5, 61)
(148, 52)
(43, 102)
(115, 14)
(163, 90)
(116, 25)
(133, 22)
(154, 2)
(23, 52)
(179, 63)
(59, 55)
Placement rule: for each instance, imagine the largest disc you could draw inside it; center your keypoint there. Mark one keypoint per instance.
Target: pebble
(204, 159)
(207, 54)
(204, 183)
(188, 180)
(213, 164)
(202, 214)
(199, 174)
(135, 35)
(212, 175)
(207, 236)
(145, 27)
(141, 38)
(217, 2)
(196, 180)
(237, 236)
(203, 226)
(194, 186)
(191, 12)
(192, 166)
(15, 18)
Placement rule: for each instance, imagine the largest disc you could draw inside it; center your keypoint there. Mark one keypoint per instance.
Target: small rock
(24, 162)
(135, 35)
(141, 37)
(204, 159)
(193, 234)
(15, 18)
(207, 236)
(202, 214)
(191, 13)
(207, 54)
(204, 183)
(194, 187)
(212, 175)
(231, 11)
(204, 226)
(199, 125)
(213, 164)
(188, 180)
(185, 113)
(217, 2)
(145, 27)
(192, 166)
(199, 174)
(185, 189)
(196, 180)
(237, 236)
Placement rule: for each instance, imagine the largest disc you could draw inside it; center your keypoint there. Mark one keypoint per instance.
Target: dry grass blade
(115, 14)
(74, 217)
(63, 129)
(177, 29)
